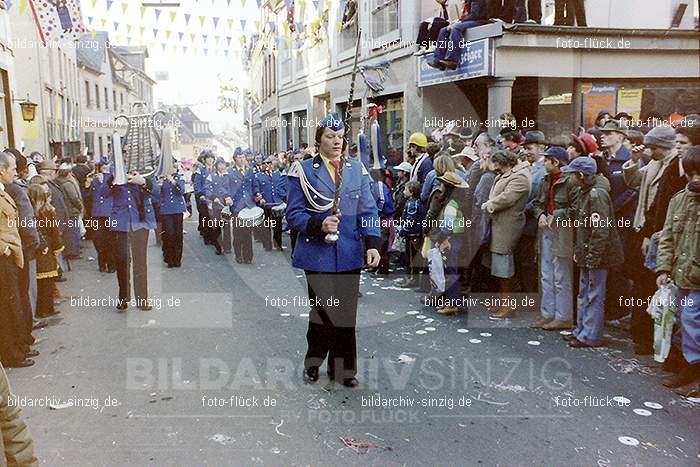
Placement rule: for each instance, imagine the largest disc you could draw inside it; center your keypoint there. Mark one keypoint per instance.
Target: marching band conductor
(331, 205)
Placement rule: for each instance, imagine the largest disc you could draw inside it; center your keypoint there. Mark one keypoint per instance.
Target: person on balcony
(451, 39)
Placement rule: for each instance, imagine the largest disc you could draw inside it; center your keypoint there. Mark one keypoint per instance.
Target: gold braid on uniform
(308, 189)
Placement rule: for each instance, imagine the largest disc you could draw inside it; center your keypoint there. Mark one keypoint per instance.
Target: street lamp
(28, 109)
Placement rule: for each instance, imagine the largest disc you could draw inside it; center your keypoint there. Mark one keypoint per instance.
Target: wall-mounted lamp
(28, 109)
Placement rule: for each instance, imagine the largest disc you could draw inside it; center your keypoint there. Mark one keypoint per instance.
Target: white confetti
(421, 316)
(428, 320)
(475, 341)
(420, 331)
(303, 315)
(565, 333)
(533, 342)
(653, 405)
(485, 334)
(388, 313)
(621, 400)
(430, 328)
(642, 412)
(403, 358)
(411, 312)
(629, 441)
(369, 293)
(284, 314)
(379, 278)
(462, 331)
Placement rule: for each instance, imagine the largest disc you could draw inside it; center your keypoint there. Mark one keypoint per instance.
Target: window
(114, 99)
(121, 99)
(300, 128)
(107, 99)
(87, 94)
(347, 38)
(385, 18)
(99, 143)
(97, 96)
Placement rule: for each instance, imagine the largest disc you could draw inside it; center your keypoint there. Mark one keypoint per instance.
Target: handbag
(436, 266)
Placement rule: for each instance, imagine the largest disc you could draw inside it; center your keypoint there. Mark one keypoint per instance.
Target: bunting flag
(230, 24)
(204, 37)
(158, 12)
(187, 19)
(215, 19)
(109, 4)
(228, 40)
(57, 22)
(173, 15)
(128, 28)
(201, 21)
(179, 35)
(243, 25)
(167, 35)
(125, 6)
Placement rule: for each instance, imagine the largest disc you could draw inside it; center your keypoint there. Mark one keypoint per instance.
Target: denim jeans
(71, 238)
(556, 279)
(689, 303)
(451, 39)
(591, 301)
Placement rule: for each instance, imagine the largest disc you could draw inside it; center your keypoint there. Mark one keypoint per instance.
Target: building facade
(49, 76)
(9, 110)
(547, 75)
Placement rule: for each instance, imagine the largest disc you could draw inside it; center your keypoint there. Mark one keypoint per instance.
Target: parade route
(212, 376)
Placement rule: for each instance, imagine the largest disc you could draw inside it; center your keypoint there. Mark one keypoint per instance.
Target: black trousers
(44, 297)
(204, 226)
(103, 240)
(242, 241)
(428, 32)
(132, 247)
(644, 287)
(172, 238)
(293, 235)
(332, 321)
(25, 305)
(188, 202)
(526, 271)
(272, 224)
(565, 11)
(13, 345)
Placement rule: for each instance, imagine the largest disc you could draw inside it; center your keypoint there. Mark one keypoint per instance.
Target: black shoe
(122, 305)
(351, 382)
(577, 344)
(103, 269)
(60, 279)
(145, 307)
(239, 260)
(311, 374)
(437, 65)
(449, 64)
(32, 353)
(686, 376)
(111, 271)
(23, 364)
(42, 323)
(219, 253)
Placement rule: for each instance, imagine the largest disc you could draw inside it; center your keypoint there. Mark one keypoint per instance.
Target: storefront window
(391, 122)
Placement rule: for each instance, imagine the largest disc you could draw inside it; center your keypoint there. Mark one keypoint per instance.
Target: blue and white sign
(476, 60)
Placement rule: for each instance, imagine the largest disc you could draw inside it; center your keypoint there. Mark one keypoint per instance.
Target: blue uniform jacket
(411, 219)
(385, 206)
(199, 180)
(273, 188)
(101, 194)
(241, 188)
(218, 186)
(359, 217)
(132, 207)
(172, 199)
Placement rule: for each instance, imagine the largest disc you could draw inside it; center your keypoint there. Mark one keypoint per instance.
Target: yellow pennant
(167, 35)
(128, 28)
(125, 6)
(201, 21)
(23, 6)
(172, 16)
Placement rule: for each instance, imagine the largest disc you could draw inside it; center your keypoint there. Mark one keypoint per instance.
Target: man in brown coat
(16, 445)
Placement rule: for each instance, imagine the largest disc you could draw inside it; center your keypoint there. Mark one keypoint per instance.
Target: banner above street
(476, 60)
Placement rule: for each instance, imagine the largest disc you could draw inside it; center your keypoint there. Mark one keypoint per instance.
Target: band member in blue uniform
(385, 206)
(219, 195)
(100, 193)
(241, 189)
(172, 207)
(270, 187)
(329, 199)
(132, 219)
(199, 181)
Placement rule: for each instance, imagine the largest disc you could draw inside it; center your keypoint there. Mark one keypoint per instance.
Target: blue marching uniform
(172, 208)
(217, 189)
(332, 269)
(272, 186)
(199, 183)
(133, 217)
(101, 194)
(241, 189)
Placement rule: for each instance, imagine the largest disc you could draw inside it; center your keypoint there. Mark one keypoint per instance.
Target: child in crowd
(410, 229)
(597, 248)
(52, 245)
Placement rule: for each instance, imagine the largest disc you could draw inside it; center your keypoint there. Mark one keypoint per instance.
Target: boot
(686, 376)
(505, 289)
(449, 311)
(541, 321)
(557, 325)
